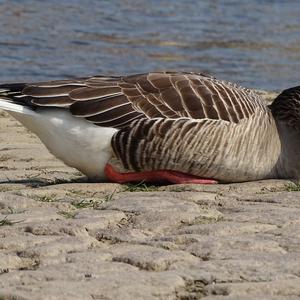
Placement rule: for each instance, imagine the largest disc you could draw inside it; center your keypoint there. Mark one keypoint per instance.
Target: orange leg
(154, 176)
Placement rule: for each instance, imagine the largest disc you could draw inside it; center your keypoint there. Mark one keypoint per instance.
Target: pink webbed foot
(154, 176)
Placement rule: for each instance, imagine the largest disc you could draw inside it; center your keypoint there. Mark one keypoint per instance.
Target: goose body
(187, 123)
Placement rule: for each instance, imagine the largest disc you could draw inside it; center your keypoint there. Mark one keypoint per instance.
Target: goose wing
(117, 101)
(207, 148)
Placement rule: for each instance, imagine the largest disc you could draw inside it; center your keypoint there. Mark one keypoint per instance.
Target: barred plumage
(187, 122)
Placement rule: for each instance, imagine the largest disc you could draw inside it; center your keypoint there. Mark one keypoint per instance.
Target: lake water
(254, 43)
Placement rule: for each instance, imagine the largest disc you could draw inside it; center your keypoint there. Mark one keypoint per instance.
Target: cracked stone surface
(64, 238)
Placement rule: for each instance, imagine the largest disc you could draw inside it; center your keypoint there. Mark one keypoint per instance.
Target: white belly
(77, 142)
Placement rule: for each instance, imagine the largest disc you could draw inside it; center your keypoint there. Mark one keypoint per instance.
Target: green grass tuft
(293, 187)
(67, 214)
(45, 198)
(86, 203)
(141, 187)
(5, 222)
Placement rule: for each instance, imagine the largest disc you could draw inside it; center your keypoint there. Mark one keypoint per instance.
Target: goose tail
(14, 107)
(12, 100)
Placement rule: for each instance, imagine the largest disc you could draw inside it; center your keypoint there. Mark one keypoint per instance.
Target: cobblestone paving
(64, 238)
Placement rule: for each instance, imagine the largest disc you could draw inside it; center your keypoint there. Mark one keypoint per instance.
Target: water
(255, 43)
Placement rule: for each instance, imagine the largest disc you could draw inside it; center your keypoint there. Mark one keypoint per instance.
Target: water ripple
(255, 43)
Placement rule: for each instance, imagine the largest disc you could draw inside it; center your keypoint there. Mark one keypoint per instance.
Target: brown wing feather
(190, 95)
(118, 100)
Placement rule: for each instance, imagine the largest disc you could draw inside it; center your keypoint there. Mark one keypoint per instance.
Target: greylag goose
(161, 126)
